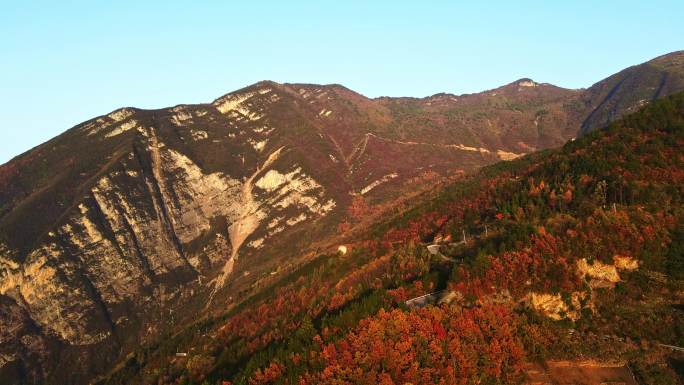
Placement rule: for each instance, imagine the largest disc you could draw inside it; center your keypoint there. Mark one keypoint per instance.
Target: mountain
(565, 265)
(132, 225)
(631, 88)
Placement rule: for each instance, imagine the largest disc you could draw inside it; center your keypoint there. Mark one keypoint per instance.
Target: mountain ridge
(672, 59)
(125, 226)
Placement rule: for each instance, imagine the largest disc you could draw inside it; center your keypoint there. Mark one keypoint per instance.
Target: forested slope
(575, 253)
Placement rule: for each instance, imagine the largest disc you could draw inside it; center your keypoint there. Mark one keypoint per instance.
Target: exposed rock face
(600, 274)
(554, 307)
(135, 221)
(149, 229)
(596, 273)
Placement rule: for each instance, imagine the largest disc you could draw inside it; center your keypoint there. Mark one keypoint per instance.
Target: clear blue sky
(62, 62)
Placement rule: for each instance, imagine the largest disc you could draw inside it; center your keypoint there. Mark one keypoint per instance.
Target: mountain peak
(526, 82)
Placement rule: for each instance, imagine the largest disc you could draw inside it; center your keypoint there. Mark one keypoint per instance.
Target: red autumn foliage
(404, 293)
(272, 320)
(425, 346)
(268, 375)
(359, 209)
(541, 266)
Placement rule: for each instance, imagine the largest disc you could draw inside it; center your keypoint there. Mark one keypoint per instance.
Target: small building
(433, 249)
